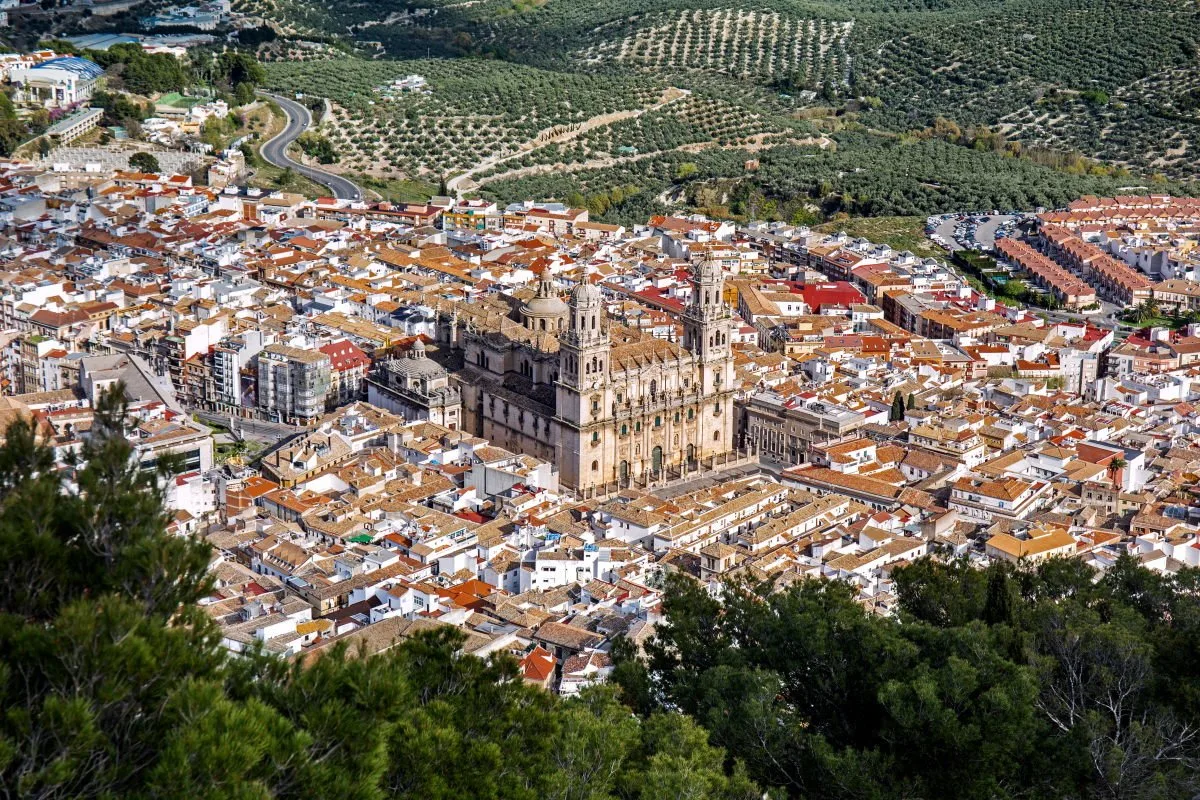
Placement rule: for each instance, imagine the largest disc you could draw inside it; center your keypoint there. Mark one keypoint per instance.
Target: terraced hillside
(519, 87)
(473, 110)
(742, 43)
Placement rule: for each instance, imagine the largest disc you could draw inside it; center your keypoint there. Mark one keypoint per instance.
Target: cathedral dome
(417, 364)
(545, 310)
(586, 294)
(544, 307)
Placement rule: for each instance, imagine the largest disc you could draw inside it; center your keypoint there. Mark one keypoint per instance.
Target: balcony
(658, 402)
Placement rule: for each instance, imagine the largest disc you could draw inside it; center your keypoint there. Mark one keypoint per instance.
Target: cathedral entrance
(656, 461)
(623, 473)
(691, 457)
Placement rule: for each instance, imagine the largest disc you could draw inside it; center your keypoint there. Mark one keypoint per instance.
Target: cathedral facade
(610, 406)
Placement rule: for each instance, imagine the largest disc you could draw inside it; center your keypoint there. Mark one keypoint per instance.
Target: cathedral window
(637, 427)
(624, 430)
(691, 414)
(595, 466)
(596, 438)
(677, 417)
(716, 436)
(658, 422)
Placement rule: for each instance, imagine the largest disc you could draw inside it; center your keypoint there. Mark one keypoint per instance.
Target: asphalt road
(252, 429)
(275, 151)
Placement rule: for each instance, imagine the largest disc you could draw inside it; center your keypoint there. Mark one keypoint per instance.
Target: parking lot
(971, 231)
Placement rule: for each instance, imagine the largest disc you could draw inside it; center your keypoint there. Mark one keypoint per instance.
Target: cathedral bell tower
(583, 346)
(584, 398)
(707, 324)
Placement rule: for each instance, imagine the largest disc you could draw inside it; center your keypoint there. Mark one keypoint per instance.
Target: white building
(58, 82)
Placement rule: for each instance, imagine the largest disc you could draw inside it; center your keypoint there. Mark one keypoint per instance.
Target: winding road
(275, 151)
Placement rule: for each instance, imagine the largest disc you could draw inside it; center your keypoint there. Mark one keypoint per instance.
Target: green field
(176, 100)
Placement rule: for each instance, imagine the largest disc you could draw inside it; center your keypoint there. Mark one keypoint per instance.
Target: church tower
(584, 401)
(707, 324)
(583, 347)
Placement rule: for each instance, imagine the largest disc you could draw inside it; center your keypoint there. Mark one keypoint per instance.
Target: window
(716, 436)
(677, 417)
(637, 427)
(595, 466)
(658, 422)
(624, 430)
(691, 414)
(596, 438)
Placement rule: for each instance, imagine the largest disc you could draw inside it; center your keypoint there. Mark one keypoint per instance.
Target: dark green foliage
(119, 109)
(243, 94)
(897, 412)
(317, 146)
(113, 682)
(144, 162)
(12, 133)
(235, 67)
(140, 72)
(252, 37)
(996, 683)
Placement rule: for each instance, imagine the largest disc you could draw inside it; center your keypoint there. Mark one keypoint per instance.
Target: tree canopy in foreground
(113, 682)
(998, 683)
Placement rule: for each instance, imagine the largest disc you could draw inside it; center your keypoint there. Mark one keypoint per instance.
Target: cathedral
(609, 405)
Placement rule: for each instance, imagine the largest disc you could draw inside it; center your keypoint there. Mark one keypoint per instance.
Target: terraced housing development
(515, 420)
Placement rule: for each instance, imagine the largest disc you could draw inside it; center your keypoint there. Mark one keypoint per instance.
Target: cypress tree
(998, 607)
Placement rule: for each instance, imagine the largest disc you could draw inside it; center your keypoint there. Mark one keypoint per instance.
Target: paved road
(275, 151)
(252, 429)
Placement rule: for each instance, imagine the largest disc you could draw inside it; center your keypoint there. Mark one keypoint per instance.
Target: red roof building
(839, 294)
(348, 366)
